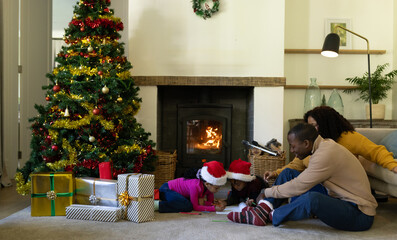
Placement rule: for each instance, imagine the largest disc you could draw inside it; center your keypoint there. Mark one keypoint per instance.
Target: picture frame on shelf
(330, 27)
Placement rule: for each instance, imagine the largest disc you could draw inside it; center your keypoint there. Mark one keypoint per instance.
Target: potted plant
(380, 85)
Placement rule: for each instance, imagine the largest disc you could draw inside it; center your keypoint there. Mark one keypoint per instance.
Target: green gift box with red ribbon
(51, 193)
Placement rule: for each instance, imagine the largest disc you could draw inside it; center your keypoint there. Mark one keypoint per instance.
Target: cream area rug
(183, 226)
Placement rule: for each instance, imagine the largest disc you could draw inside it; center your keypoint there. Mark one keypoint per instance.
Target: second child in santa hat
(245, 187)
(194, 191)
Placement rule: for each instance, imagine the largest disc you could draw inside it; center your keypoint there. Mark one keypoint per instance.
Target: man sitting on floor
(349, 204)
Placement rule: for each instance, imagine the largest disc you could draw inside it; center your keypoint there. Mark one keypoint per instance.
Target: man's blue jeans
(287, 175)
(334, 212)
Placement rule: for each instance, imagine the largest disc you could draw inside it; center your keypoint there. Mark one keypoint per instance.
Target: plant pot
(378, 111)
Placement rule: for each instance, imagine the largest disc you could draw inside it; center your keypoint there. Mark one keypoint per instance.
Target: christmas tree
(91, 103)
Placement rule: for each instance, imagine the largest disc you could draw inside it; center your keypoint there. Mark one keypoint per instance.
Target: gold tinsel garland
(86, 120)
(84, 70)
(71, 124)
(128, 149)
(71, 96)
(53, 134)
(124, 75)
(132, 109)
(22, 187)
(97, 40)
(71, 159)
(98, 54)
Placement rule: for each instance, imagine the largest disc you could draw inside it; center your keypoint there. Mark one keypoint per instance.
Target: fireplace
(257, 112)
(204, 123)
(204, 133)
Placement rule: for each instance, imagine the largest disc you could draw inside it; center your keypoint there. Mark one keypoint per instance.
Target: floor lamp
(331, 49)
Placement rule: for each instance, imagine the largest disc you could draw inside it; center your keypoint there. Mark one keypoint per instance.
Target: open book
(233, 208)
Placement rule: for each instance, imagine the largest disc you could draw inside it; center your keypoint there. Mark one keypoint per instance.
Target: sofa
(381, 179)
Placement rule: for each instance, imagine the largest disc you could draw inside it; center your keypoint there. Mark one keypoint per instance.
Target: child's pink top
(193, 189)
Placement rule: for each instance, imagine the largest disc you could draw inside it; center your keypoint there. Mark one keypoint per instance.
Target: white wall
(395, 58)
(305, 28)
(168, 39)
(62, 13)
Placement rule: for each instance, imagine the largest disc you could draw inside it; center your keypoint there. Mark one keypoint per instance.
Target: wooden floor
(11, 201)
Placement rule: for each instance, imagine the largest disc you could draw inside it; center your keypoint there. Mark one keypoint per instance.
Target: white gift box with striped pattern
(135, 192)
(94, 213)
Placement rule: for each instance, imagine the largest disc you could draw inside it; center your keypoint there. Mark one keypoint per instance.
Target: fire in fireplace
(204, 133)
(204, 137)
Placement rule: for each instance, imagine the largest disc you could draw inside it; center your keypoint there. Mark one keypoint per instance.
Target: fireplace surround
(260, 107)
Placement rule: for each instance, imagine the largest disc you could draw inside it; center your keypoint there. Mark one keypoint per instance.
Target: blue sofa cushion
(390, 142)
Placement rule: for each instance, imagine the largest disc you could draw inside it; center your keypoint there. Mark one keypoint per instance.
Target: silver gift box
(94, 213)
(95, 191)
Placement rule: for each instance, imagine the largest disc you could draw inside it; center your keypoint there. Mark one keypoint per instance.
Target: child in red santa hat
(194, 191)
(245, 187)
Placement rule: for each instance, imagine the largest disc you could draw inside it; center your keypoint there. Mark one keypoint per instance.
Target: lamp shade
(331, 45)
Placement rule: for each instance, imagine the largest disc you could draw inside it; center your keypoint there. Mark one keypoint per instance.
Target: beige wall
(242, 39)
(167, 38)
(394, 99)
(304, 28)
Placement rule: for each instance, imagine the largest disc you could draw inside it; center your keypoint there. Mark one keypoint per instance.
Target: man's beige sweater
(338, 170)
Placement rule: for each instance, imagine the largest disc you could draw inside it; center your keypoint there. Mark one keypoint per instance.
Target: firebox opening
(204, 137)
(185, 112)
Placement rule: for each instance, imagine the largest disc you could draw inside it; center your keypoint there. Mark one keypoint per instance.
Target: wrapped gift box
(136, 196)
(51, 193)
(93, 213)
(95, 191)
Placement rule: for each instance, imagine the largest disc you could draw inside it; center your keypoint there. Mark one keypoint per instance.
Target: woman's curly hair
(330, 123)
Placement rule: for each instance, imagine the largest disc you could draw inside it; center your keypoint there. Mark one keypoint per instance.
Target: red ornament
(100, 73)
(96, 111)
(56, 88)
(47, 98)
(82, 29)
(54, 148)
(106, 10)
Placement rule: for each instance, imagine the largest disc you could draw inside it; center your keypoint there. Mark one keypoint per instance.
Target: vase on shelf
(335, 101)
(312, 95)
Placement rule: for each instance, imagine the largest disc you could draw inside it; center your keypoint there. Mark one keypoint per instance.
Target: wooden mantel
(209, 81)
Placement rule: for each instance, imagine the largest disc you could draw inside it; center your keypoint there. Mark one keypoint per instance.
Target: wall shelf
(341, 51)
(321, 87)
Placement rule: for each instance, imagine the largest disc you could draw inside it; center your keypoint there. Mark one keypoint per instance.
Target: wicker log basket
(262, 162)
(165, 168)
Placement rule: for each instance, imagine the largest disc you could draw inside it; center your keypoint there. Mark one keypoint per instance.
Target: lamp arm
(358, 35)
(369, 73)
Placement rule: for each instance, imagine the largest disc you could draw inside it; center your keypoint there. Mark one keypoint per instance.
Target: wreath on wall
(208, 11)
